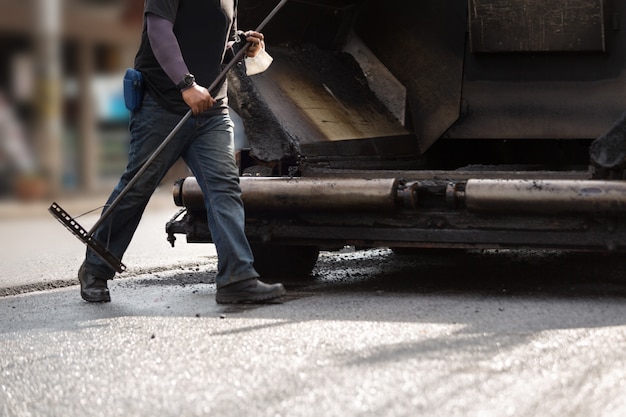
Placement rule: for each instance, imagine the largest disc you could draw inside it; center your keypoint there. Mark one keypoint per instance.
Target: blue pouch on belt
(133, 89)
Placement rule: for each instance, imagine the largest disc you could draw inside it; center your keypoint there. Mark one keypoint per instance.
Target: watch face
(187, 81)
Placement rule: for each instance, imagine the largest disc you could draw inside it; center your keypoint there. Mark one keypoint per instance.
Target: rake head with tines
(87, 238)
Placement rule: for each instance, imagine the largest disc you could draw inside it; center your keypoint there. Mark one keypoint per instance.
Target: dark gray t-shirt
(203, 29)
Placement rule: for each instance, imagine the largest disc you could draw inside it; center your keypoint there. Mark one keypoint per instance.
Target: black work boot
(249, 291)
(92, 288)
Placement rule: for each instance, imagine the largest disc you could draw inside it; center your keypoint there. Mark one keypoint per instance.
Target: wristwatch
(187, 82)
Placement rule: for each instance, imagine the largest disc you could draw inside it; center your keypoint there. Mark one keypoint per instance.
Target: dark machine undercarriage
(435, 124)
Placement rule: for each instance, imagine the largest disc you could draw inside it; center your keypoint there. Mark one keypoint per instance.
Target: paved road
(372, 334)
(37, 252)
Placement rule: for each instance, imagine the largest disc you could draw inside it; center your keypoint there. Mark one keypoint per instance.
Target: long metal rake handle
(174, 131)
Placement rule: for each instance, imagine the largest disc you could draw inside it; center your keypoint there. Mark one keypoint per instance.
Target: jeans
(206, 145)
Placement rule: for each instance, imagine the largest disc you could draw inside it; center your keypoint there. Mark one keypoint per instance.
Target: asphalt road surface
(37, 252)
(370, 333)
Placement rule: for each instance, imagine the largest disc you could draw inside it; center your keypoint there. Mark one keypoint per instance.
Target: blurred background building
(63, 124)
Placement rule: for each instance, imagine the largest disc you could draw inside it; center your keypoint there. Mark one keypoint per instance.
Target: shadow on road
(374, 285)
(494, 272)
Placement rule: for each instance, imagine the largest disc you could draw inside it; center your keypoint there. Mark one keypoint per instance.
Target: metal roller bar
(306, 194)
(546, 196)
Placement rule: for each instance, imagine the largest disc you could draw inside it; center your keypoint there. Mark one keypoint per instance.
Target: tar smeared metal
(338, 72)
(269, 141)
(609, 150)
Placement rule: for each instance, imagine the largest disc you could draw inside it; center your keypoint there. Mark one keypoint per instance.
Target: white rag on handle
(259, 63)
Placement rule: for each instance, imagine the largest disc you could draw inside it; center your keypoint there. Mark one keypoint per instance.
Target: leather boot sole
(96, 298)
(259, 293)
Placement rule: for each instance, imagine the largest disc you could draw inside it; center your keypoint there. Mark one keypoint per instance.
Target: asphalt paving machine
(430, 124)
